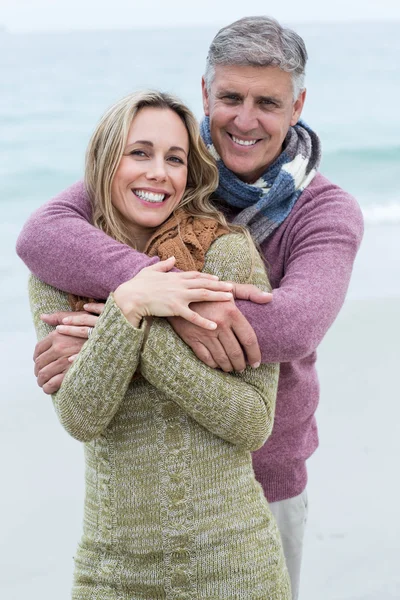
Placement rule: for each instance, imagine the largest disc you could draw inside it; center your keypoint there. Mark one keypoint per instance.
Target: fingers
(55, 318)
(202, 295)
(248, 340)
(94, 307)
(191, 316)
(218, 354)
(203, 354)
(247, 291)
(45, 359)
(60, 346)
(196, 275)
(43, 346)
(208, 284)
(57, 367)
(80, 319)
(163, 266)
(52, 386)
(74, 331)
(232, 350)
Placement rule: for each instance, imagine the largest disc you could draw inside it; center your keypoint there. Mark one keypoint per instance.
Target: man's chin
(242, 170)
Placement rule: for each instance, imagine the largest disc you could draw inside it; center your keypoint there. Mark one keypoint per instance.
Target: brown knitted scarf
(186, 237)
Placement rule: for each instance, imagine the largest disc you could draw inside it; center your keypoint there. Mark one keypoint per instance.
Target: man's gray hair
(259, 42)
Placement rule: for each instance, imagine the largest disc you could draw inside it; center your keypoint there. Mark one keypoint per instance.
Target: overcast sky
(39, 15)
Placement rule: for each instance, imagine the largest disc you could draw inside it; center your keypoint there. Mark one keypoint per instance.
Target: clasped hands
(199, 307)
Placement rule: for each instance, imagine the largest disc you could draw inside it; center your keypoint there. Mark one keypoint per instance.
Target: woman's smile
(151, 177)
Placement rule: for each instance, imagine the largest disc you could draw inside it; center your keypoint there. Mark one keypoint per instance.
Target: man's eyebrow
(228, 92)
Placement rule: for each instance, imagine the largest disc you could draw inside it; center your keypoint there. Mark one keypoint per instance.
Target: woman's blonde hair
(106, 148)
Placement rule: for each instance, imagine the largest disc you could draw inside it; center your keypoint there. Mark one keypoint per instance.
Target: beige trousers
(291, 517)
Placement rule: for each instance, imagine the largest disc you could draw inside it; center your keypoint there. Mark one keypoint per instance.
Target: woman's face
(151, 177)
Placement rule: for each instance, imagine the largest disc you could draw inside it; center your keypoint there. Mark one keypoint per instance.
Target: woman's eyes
(142, 154)
(137, 153)
(176, 159)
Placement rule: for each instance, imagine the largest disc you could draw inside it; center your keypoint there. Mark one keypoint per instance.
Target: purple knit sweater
(310, 258)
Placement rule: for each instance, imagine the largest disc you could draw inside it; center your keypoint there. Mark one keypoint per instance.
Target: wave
(370, 154)
(379, 214)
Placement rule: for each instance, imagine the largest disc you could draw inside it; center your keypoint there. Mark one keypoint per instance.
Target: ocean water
(54, 87)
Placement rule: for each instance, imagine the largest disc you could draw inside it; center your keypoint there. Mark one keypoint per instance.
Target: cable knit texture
(172, 508)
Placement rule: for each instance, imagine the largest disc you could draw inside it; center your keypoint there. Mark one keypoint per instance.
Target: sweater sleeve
(59, 245)
(236, 407)
(96, 383)
(321, 251)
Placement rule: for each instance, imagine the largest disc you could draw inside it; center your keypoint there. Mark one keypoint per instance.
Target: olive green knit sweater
(172, 508)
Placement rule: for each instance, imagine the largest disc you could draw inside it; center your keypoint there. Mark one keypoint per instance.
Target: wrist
(130, 306)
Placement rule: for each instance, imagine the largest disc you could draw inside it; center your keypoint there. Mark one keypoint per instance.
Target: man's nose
(246, 119)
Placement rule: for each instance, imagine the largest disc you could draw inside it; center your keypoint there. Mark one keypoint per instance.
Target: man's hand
(234, 341)
(52, 359)
(53, 355)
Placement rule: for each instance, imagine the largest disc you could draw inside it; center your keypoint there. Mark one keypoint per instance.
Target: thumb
(247, 291)
(164, 265)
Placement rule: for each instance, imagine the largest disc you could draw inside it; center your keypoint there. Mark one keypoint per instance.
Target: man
(308, 229)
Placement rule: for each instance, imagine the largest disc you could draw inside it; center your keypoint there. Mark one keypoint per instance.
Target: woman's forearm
(96, 383)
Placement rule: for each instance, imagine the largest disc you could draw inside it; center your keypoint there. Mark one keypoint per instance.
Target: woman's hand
(80, 324)
(155, 291)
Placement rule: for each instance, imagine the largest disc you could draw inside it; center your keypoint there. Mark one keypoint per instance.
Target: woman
(172, 508)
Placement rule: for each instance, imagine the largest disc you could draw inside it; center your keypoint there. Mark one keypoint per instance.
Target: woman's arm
(96, 383)
(237, 407)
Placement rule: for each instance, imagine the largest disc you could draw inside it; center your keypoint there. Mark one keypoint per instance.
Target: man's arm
(61, 247)
(323, 246)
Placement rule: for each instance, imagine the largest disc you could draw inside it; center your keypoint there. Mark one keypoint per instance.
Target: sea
(53, 89)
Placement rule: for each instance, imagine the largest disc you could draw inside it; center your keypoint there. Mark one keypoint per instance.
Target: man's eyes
(231, 98)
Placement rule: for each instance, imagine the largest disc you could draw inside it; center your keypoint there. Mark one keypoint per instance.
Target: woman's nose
(157, 171)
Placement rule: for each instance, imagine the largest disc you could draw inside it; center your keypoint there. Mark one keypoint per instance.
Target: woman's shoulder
(234, 257)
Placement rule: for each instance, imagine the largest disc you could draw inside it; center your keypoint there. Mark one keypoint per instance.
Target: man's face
(250, 110)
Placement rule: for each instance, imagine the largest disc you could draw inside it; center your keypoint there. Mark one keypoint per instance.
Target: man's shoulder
(326, 199)
(321, 189)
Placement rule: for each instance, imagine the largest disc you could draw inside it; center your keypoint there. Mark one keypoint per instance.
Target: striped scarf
(266, 203)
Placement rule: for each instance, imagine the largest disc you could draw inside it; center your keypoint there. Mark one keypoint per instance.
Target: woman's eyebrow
(148, 143)
(175, 148)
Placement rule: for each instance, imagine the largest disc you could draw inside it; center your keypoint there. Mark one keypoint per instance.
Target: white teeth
(244, 142)
(149, 196)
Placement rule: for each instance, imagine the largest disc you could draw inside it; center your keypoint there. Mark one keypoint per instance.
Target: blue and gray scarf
(266, 203)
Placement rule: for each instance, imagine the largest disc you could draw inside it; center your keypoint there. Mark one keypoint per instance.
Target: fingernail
(60, 328)
(255, 365)
(213, 326)
(86, 306)
(72, 358)
(266, 293)
(67, 320)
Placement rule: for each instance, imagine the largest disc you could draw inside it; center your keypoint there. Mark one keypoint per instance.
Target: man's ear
(205, 97)
(298, 107)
